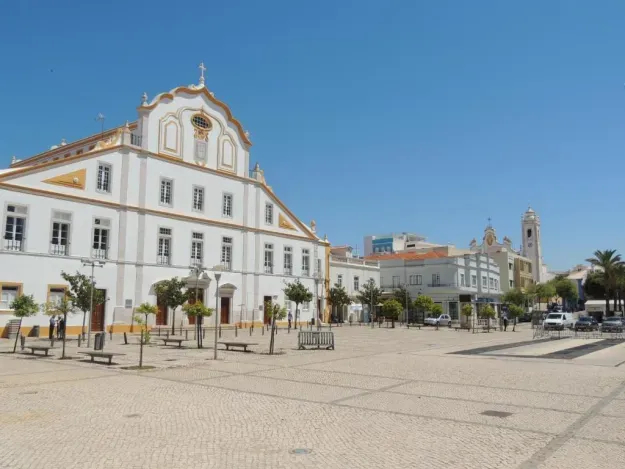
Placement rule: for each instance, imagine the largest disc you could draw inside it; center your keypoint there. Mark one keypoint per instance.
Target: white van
(558, 321)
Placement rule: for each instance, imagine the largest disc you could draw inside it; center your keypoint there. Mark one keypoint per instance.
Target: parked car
(586, 323)
(525, 317)
(558, 321)
(612, 324)
(442, 320)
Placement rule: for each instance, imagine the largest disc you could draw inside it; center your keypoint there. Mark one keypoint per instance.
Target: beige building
(514, 269)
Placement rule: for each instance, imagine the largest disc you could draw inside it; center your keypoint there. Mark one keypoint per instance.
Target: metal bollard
(203, 333)
(236, 333)
(22, 341)
(125, 339)
(220, 332)
(250, 332)
(186, 334)
(263, 329)
(79, 339)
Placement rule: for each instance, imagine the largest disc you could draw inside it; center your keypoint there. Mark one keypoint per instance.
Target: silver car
(442, 320)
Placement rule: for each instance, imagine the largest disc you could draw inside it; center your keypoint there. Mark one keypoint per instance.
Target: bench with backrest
(173, 340)
(101, 354)
(315, 339)
(231, 343)
(39, 348)
(414, 324)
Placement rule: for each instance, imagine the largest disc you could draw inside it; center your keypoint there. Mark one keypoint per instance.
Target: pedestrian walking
(290, 318)
(61, 328)
(505, 321)
(58, 327)
(51, 330)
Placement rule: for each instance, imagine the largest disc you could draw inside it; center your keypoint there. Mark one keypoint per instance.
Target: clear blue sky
(366, 116)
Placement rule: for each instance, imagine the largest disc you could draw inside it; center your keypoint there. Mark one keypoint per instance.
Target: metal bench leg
(91, 358)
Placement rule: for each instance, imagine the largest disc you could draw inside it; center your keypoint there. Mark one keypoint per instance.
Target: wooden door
(225, 310)
(266, 301)
(97, 316)
(161, 316)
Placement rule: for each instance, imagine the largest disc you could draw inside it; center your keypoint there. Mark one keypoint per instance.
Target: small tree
(199, 311)
(63, 307)
(514, 311)
(23, 306)
(488, 312)
(144, 311)
(80, 293)
(423, 304)
(544, 291)
(392, 309)
(436, 310)
(369, 294)
(275, 312)
(171, 293)
(515, 296)
(566, 290)
(467, 312)
(403, 297)
(338, 298)
(298, 294)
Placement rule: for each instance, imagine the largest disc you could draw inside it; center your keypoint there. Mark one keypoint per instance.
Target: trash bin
(34, 332)
(98, 343)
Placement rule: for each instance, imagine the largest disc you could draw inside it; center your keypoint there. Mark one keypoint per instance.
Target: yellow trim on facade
(56, 286)
(74, 180)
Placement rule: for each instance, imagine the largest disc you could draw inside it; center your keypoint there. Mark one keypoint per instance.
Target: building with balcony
(352, 272)
(450, 280)
(152, 198)
(395, 242)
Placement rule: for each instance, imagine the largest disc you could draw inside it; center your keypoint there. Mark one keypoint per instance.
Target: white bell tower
(532, 249)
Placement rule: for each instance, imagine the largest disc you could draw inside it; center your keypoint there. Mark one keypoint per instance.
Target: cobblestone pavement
(385, 398)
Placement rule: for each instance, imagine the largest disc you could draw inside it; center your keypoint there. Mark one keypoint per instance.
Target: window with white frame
(412, 280)
(339, 280)
(197, 248)
(198, 198)
(164, 246)
(356, 283)
(226, 205)
(306, 306)
(103, 184)
(61, 228)
(288, 260)
(167, 192)
(509, 265)
(462, 280)
(436, 280)
(419, 280)
(474, 280)
(491, 282)
(101, 236)
(511, 284)
(305, 263)
(268, 258)
(8, 294)
(318, 270)
(15, 227)
(396, 280)
(269, 214)
(496, 284)
(226, 252)
(484, 281)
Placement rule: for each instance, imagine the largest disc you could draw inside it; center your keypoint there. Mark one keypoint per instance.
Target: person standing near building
(505, 321)
(51, 329)
(61, 328)
(290, 318)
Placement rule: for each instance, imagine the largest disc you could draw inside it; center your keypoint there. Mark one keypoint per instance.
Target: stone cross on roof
(202, 70)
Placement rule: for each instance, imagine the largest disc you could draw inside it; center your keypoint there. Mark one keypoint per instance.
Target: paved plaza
(385, 398)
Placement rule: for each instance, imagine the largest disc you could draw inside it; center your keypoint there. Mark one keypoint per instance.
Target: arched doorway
(226, 307)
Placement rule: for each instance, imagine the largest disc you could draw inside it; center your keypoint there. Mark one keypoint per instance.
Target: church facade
(147, 202)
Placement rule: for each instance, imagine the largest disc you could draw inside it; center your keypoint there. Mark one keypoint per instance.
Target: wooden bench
(175, 340)
(243, 345)
(315, 338)
(462, 328)
(100, 354)
(39, 348)
(418, 326)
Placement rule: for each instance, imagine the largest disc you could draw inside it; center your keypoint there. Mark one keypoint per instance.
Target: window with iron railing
(197, 248)
(268, 258)
(198, 198)
(103, 184)
(15, 228)
(163, 256)
(288, 260)
(226, 252)
(305, 263)
(61, 227)
(100, 242)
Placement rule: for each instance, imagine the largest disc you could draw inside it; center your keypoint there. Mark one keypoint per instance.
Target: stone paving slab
(545, 347)
(586, 455)
(329, 378)
(611, 356)
(485, 394)
(521, 419)
(610, 429)
(184, 373)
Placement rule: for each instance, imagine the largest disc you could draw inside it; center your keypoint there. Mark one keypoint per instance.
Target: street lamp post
(197, 271)
(93, 264)
(406, 315)
(217, 270)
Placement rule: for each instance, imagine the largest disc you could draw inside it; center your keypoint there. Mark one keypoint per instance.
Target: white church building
(171, 190)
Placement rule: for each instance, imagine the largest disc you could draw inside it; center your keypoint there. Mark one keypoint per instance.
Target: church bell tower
(532, 249)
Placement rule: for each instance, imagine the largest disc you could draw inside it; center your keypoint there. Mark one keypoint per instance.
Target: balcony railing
(288, 270)
(58, 249)
(162, 260)
(354, 260)
(226, 265)
(195, 261)
(13, 245)
(447, 285)
(135, 140)
(99, 253)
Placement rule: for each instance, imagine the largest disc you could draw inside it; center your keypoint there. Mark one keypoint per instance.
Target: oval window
(201, 122)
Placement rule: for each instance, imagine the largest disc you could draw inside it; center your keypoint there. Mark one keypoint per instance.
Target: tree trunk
(296, 313)
(271, 340)
(84, 316)
(607, 303)
(141, 350)
(514, 325)
(19, 328)
(614, 298)
(173, 321)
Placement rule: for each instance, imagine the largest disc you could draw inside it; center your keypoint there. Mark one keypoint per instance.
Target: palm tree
(610, 263)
